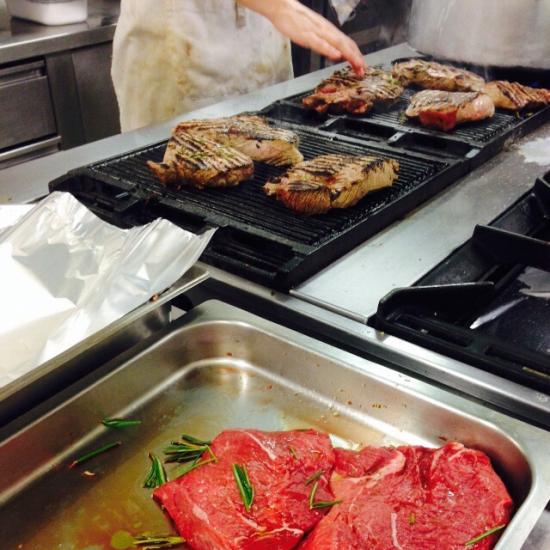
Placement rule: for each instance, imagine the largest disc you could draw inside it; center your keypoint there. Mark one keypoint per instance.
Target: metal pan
(215, 368)
(42, 382)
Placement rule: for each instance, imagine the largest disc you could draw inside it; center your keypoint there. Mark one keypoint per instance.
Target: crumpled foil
(67, 274)
(344, 9)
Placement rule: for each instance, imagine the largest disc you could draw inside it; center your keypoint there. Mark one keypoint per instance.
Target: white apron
(173, 56)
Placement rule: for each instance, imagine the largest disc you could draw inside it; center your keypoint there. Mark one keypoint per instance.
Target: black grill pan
(259, 238)
(473, 306)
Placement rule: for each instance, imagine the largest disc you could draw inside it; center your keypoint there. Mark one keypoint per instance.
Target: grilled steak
(251, 135)
(345, 91)
(514, 96)
(412, 498)
(444, 110)
(201, 162)
(206, 505)
(331, 181)
(435, 76)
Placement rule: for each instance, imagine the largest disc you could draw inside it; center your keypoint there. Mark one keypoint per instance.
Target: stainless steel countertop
(20, 39)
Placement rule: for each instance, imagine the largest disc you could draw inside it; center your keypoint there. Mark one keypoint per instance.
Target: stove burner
(479, 305)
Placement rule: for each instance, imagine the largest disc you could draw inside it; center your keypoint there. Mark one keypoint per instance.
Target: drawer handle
(29, 148)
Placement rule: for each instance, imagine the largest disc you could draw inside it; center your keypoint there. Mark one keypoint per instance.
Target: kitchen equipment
(502, 33)
(265, 242)
(257, 236)
(488, 304)
(217, 368)
(52, 376)
(49, 12)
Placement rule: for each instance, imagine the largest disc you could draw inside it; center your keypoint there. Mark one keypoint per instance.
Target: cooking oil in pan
(81, 508)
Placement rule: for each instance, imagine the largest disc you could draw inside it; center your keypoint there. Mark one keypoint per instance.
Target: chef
(173, 56)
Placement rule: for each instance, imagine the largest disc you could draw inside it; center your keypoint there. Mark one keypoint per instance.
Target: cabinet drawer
(26, 111)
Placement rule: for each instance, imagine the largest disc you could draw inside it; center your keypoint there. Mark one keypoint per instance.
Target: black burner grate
(487, 304)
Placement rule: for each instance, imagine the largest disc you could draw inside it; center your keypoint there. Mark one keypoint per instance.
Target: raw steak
(206, 505)
(412, 498)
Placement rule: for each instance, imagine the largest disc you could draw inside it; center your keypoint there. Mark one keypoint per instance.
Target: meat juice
(69, 510)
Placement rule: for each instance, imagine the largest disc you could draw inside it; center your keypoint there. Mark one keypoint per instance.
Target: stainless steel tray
(38, 384)
(219, 367)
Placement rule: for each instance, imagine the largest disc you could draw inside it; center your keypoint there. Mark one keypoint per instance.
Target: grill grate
(258, 237)
(248, 205)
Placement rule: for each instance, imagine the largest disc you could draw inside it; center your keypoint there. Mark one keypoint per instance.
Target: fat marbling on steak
(514, 96)
(206, 505)
(251, 135)
(445, 110)
(412, 498)
(345, 91)
(200, 162)
(331, 181)
(436, 76)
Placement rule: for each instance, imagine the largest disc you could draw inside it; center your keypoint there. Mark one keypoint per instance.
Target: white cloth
(173, 56)
(344, 9)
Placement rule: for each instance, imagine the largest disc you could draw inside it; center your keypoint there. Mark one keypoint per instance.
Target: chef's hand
(310, 30)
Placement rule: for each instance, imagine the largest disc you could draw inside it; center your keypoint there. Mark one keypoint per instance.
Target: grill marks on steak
(412, 498)
(515, 96)
(201, 162)
(251, 135)
(436, 76)
(345, 91)
(331, 181)
(220, 152)
(444, 110)
(206, 506)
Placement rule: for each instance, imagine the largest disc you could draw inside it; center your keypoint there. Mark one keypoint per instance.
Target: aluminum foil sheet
(67, 274)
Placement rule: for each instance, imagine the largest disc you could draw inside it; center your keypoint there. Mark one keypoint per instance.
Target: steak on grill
(435, 76)
(206, 505)
(201, 162)
(251, 135)
(345, 91)
(444, 110)
(515, 97)
(331, 181)
(412, 498)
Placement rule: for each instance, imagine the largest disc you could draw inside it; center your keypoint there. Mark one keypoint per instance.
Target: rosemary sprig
(314, 477)
(243, 484)
(156, 476)
(188, 449)
(190, 466)
(488, 533)
(122, 540)
(119, 423)
(292, 452)
(320, 503)
(96, 452)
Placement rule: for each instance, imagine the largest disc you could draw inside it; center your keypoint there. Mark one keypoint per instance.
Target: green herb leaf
(188, 449)
(314, 477)
(245, 487)
(488, 533)
(412, 518)
(96, 452)
(190, 466)
(156, 476)
(194, 440)
(119, 423)
(292, 452)
(122, 540)
(320, 503)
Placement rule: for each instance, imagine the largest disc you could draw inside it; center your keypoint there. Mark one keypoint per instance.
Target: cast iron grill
(487, 304)
(258, 237)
